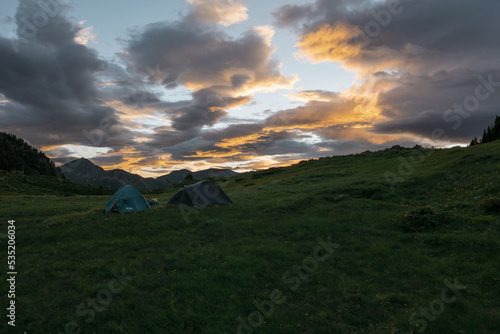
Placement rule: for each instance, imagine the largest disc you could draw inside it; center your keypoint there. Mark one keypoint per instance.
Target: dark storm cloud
(276, 143)
(166, 137)
(61, 151)
(239, 80)
(49, 82)
(350, 146)
(43, 22)
(60, 155)
(141, 99)
(319, 11)
(207, 107)
(291, 15)
(108, 160)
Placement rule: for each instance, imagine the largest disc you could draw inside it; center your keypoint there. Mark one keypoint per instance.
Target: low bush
(424, 219)
(491, 204)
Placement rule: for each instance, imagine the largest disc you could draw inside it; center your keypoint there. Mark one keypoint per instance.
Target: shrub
(491, 204)
(423, 218)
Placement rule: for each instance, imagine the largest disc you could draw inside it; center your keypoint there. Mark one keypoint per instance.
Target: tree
(491, 133)
(484, 138)
(496, 128)
(474, 142)
(17, 155)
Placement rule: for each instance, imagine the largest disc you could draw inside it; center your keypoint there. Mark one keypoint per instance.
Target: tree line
(491, 133)
(18, 156)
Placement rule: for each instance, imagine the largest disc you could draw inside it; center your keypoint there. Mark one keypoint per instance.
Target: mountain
(84, 172)
(17, 156)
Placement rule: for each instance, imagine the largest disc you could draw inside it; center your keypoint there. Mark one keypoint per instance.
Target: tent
(127, 199)
(203, 193)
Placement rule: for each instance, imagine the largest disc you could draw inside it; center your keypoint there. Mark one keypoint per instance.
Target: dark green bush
(423, 219)
(491, 204)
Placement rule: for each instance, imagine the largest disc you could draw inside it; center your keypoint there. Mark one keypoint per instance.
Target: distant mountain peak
(85, 172)
(80, 163)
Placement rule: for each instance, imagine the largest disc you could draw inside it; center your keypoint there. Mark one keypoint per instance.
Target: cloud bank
(420, 65)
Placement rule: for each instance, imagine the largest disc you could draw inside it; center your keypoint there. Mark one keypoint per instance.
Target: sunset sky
(154, 86)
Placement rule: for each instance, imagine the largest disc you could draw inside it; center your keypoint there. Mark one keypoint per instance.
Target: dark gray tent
(203, 193)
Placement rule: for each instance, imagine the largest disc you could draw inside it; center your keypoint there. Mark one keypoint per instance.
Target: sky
(155, 86)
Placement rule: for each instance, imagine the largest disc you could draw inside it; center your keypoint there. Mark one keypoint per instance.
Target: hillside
(84, 172)
(397, 241)
(16, 156)
(33, 185)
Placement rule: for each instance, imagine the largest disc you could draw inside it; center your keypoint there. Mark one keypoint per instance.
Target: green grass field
(324, 246)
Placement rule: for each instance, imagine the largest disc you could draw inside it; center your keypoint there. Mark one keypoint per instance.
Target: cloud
(50, 84)
(317, 113)
(44, 24)
(289, 15)
(232, 131)
(140, 99)
(208, 106)
(415, 62)
(222, 71)
(446, 105)
(198, 57)
(109, 160)
(85, 34)
(267, 32)
(330, 43)
(224, 12)
(54, 84)
(60, 152)
(417, 66)
(4, 19)
(314, 95)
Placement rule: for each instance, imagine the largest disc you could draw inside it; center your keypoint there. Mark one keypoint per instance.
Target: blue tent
(127, 199)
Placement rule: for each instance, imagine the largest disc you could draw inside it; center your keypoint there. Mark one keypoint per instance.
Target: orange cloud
(234, 142)
(317, 114)
(330, 43)
(313, 95)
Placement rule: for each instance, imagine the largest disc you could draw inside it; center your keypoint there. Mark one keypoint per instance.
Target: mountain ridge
(85, 172)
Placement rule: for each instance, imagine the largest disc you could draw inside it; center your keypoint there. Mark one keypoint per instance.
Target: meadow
(324, 246)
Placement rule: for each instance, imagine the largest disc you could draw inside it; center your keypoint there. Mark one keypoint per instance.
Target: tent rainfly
(203, 193)
(127, 199)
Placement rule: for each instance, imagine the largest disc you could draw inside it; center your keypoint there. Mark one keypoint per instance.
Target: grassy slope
(199, 275)
(13, 184)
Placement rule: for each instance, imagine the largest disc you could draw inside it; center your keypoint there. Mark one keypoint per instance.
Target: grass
(207, 270)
